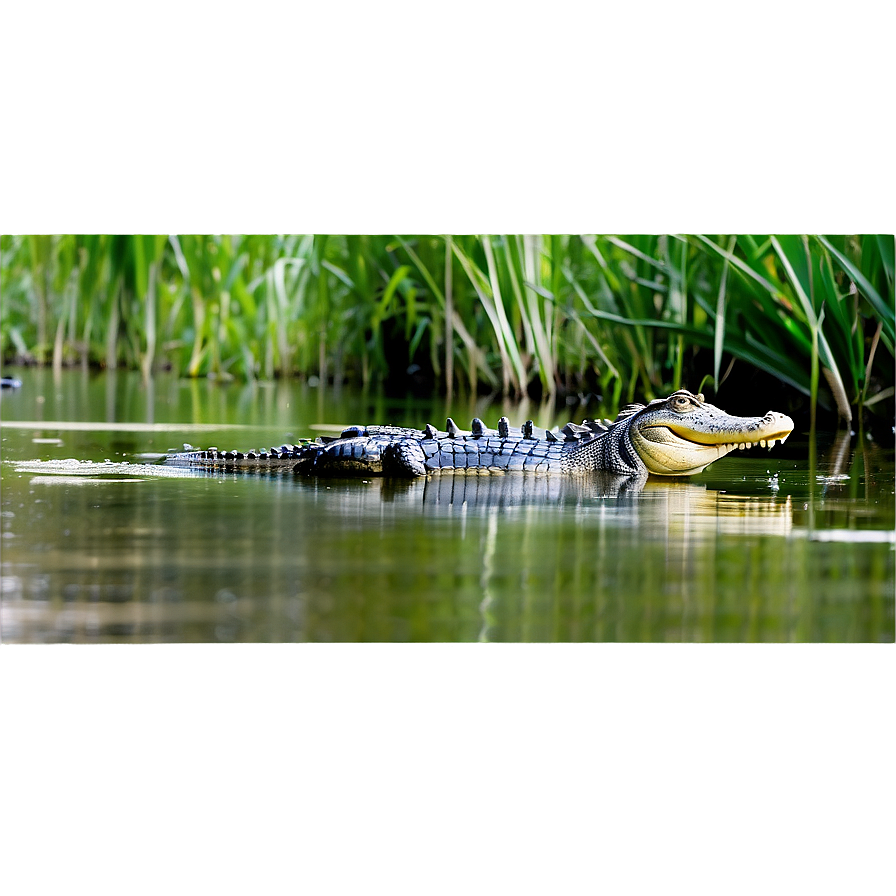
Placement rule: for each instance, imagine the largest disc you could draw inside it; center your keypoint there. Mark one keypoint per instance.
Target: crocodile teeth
(762, 443)
(771, 443)
(742, 446)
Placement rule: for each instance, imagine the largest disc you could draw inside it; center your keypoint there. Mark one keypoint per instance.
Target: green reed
(623, 315)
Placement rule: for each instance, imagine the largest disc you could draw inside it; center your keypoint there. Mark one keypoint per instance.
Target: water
(99, 546)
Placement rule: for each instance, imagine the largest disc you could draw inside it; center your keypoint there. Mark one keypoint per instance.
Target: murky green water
(761, 547)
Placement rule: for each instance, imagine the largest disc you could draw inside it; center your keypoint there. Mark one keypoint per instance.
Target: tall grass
(623, 315)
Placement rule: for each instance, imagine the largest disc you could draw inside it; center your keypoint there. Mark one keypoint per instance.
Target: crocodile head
(682, 434)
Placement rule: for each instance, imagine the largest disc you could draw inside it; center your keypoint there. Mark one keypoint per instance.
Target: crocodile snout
(782, 424)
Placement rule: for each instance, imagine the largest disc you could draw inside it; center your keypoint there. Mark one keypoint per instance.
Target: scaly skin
(676, 436)
(683, 434)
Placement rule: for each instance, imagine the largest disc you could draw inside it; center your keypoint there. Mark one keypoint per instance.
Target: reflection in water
(758, 548)
(453, 557)
(673, 503)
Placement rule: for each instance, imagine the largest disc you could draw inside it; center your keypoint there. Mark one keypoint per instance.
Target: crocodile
(675, 436)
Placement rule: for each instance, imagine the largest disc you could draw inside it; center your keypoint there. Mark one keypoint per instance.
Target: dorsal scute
(632, 409)
(629, 411)
(575, 432)
(585, 431)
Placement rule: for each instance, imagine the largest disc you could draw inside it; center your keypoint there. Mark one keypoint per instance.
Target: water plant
(619, 315)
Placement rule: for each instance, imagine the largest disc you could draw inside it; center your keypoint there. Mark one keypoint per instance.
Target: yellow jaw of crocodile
(671, 447)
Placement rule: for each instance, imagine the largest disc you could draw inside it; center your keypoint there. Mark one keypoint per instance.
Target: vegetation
(623, 316)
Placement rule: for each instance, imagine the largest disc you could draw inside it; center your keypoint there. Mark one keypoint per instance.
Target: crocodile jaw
(674, 449)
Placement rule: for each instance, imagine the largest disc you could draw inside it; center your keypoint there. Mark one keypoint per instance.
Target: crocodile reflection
(455, 489)
(656, 504)
(453, 547)
(660, 505)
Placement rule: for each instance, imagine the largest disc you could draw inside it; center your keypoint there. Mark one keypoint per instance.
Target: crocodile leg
(404, 459)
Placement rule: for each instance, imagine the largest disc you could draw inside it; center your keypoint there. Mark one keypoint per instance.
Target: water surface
(99, 546)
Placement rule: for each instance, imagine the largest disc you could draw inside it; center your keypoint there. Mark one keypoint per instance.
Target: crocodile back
(493, 454)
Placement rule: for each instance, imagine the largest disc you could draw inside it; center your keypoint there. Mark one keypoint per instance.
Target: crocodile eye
(681, 402)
